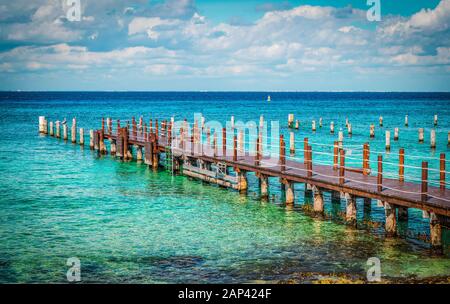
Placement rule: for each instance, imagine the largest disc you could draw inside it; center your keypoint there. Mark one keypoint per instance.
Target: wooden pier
(227, 164)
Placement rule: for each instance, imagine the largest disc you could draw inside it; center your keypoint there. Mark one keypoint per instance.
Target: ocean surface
(128, 224)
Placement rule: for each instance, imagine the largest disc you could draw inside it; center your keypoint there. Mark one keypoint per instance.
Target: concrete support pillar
(264, 186)
(113, 147)
(350, 209)
(290, 197)
(129, 155)
(391, 221)
(242, 181)
(139, 154)
(318, 199)
(436, 232)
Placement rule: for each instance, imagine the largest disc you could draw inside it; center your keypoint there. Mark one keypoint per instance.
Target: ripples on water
(127, 223)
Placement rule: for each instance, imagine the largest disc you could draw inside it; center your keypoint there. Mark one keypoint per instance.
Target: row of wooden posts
(97, 142)
(372, 130)
(138, 134)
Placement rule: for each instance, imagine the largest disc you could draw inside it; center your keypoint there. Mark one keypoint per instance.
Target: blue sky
(278, 45)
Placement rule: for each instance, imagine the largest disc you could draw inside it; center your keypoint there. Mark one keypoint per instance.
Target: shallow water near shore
(127, 223)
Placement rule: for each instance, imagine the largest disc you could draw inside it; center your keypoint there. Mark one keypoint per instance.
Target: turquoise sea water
(127, 223)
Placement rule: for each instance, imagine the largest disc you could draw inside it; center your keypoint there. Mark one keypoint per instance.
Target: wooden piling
(125, 136)
(372, 131)
(320, 122)
(51, 129)
(310, 168)
(436, 232)
(388, 140)
(318, 204)
(406, 120)
(224, 141)
(332, 127)
(139, 154)
(261, 122)
(335, 155)
(381, 121)
(366, 157)
(232, 122)
(433, 139)
(102, 145)
(448, 138)
(424, 181)
(241, 142)
(313, 126)
(282, 154)
(74, 130)
(235, 148)
(257, 152)
(264, 186)
(442, 171)
(290, 120)
(401, 165)
(81, 137)
(435, 121)
(91, 139)
(297, 124)
(42, 124)
(349, 129)
(421, 135)
(65, 132)
(350, 209)
(58, 130)
(380, 173)
(342, 167)
(340, 138)
(305, 147)
(45, 126)
(292, 143)
(396, 134)
(289, 192)
(215, 143)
